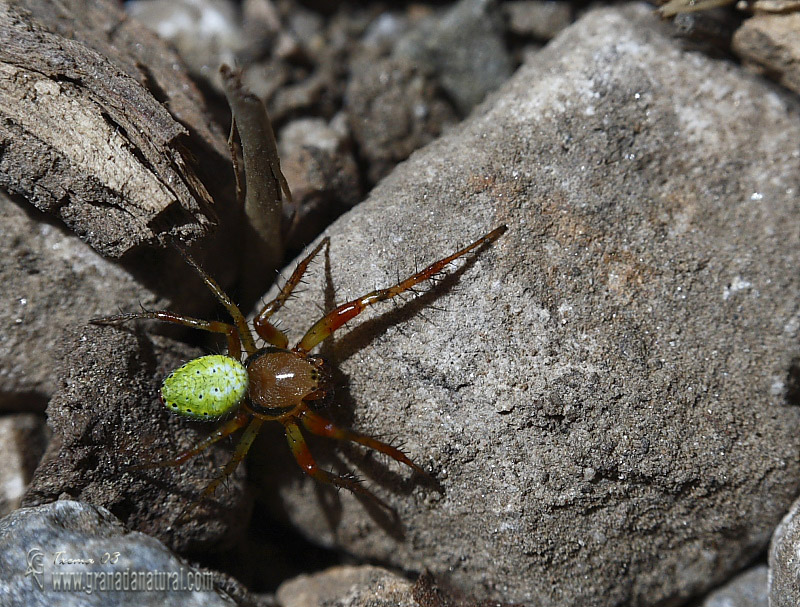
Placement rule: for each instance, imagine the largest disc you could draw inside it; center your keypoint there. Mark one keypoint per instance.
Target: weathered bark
(95, 118)
(264, 183)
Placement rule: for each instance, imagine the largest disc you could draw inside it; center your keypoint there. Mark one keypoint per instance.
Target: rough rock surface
(51, 280)
(206, 34)
(317, 160)
(467, 72)
(784, 566)
(771, 44)
(23, 440)
(40, 544)
(393, 108)
(604, 393)
(748, 589)
(542, 19)
(106, 417)
(347, 587)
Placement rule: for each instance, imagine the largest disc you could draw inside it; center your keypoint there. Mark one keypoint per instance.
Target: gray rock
(22, 442)
(784, 568)
(347, 587)
(206, 34)
(384, 31)
(542, 19)
(106, 417)
(321, 170)
(43, 547)
(393, 108)
(707, 31)
(748, 589)
(51, 280)
(604, 393)
(770, 43)
(464, 47)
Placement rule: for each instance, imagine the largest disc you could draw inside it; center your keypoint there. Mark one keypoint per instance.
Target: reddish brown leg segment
(303, 456)
(234, 344)
(225, 430)
(266, 330)
(239, 454)
(332, 321)
(322, 427)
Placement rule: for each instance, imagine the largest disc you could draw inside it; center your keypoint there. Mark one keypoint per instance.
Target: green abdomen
(205, 388)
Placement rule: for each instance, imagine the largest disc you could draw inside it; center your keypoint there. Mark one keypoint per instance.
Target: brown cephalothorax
(285, 377)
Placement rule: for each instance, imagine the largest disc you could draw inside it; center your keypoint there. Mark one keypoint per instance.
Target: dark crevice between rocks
(793, 383)
(268, 540)
(23, 402)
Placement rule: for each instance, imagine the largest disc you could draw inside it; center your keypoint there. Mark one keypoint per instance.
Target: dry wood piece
(81, 137)
(264, 182)
(677, 7)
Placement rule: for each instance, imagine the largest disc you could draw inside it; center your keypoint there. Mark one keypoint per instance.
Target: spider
(252, 385)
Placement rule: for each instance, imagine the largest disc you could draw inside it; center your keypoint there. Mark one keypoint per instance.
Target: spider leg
(303, 456)
(320, 426)
(239, 454)
(238, 318)
(332, 321)
(265, 329)
(225, 430)
(234, 343)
